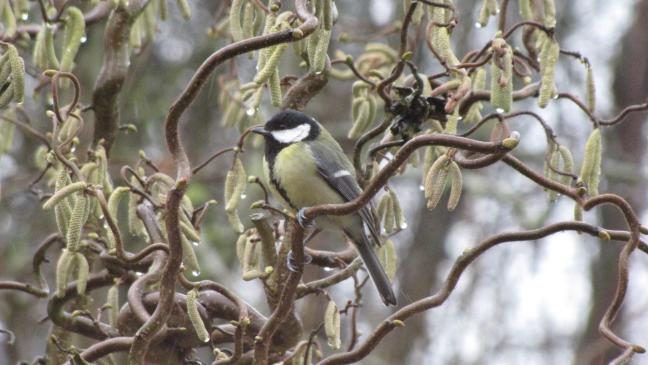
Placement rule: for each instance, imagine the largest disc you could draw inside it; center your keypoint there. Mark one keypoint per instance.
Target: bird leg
(291, 263)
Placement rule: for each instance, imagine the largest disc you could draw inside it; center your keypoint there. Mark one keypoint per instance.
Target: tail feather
(375, 269)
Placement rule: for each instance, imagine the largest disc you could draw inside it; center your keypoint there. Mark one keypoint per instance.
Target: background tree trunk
(624, 148)
(418, 276)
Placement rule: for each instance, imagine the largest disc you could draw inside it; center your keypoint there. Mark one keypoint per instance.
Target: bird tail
(365, 248)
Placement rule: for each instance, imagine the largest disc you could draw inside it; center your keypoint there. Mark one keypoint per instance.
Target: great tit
(305, 166)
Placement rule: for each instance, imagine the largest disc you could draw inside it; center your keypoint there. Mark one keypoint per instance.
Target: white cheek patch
(292, 135)
(341, 173)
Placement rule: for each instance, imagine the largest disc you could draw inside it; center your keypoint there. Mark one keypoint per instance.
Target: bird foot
(303, 221)
(292, 263)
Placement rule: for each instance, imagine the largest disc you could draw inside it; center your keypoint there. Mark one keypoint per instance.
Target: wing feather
(338, 172)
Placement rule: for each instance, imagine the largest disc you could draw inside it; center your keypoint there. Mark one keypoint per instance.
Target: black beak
(260, 130)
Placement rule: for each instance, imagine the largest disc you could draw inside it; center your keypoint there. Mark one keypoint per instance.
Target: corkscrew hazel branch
(114, 69)
(294, 238)
(491, 156)
(200, 77)
(449, 284)
(144, 336)
(400, 158)
(55, 76)
(148, 330)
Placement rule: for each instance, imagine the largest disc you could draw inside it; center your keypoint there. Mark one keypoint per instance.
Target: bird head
(288, 127)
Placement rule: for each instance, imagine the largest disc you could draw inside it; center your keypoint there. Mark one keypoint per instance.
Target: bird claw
(292, 264)
(303, 221)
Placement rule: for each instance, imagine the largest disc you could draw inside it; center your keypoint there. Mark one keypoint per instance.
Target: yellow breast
(296, 173)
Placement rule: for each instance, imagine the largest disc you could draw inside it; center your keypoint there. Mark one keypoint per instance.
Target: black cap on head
(288, 119)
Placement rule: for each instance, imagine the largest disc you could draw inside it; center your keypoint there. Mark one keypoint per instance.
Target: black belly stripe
(270, 159)
(281, 191)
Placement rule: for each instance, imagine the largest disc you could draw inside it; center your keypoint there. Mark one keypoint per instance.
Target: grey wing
(339, 174)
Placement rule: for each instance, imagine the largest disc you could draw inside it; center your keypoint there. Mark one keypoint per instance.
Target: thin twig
(211, 158)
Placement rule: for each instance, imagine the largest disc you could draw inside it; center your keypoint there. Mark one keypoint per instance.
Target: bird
(305, 166)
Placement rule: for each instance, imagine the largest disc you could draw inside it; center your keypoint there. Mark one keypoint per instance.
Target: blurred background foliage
(536, 303)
